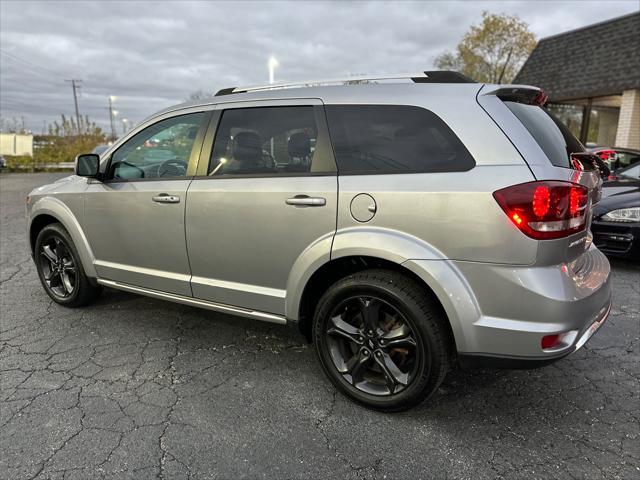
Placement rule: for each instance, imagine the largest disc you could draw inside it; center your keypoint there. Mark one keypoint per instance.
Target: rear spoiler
(519, 93)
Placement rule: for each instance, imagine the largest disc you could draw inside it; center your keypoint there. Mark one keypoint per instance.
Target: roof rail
(438, 76)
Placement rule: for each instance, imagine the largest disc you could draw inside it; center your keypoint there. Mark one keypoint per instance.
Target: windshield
(632, 172)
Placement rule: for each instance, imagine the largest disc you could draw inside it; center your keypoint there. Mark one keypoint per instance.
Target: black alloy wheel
(372, 345)
(58, 267)
(382, 339)
(60, 270)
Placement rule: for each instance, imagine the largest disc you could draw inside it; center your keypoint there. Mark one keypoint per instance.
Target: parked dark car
(616, 218)
(616, 158)
(632, 171)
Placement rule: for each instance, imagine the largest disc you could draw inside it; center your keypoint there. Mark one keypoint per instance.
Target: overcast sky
(153, 54)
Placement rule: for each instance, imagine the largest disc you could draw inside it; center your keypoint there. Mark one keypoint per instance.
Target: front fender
(57, 209)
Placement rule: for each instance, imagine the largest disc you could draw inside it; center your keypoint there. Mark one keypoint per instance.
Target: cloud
(154, 54)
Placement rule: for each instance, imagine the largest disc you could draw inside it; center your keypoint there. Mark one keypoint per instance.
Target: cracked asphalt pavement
(133, 387)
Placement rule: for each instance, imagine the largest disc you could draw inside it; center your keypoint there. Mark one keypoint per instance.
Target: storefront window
(603, 125)
(592, 120)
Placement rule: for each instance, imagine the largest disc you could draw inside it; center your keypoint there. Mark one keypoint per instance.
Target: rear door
(267, 194)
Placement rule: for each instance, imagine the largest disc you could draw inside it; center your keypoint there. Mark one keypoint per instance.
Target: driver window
(161, 150)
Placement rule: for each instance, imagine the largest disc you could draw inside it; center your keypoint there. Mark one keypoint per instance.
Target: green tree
(493, 51)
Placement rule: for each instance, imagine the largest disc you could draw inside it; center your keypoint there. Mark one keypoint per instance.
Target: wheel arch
(331, 271)
(50, 210)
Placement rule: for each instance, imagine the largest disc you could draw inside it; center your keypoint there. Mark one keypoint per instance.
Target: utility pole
(75, 84)
(113, 127)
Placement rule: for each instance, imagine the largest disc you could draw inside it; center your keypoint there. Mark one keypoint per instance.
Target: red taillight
(550, 341)
(575, 201)
(541, 201)
(547, 209)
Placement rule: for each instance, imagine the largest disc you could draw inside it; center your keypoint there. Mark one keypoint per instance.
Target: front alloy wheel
(58, 267)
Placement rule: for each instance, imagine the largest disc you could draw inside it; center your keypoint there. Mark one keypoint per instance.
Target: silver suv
(405, 225)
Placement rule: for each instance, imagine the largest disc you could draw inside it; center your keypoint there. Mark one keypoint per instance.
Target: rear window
(374, 139)
(553, 137)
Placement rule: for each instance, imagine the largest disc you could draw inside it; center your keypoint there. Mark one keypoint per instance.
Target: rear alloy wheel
(59, 268)
(380, 339)
(372, 345)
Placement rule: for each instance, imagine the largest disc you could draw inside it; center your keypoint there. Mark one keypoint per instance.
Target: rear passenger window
(268, 141)
(553, 137)
(370, 139)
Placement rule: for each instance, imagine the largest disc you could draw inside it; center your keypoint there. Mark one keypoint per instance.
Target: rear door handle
(306, 201)
(165, 198)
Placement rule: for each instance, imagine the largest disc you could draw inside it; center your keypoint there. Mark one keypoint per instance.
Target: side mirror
(88, 165)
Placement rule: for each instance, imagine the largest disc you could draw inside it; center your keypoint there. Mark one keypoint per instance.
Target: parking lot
(133, 387)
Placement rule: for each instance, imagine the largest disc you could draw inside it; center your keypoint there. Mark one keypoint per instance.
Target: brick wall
(629, 122)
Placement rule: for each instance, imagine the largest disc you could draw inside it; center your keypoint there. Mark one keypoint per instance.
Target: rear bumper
(520, 305)
(617, 239)
(471, 361)
(500, 313)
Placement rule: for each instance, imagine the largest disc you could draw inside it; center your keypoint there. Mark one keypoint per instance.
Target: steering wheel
(172, 168)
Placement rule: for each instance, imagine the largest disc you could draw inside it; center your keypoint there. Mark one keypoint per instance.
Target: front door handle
(165, 198)
(306, 201)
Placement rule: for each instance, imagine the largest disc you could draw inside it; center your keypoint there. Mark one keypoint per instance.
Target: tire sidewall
(422, 384)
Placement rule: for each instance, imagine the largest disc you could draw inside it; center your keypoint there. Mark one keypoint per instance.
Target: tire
(54, 241)
(357, 360)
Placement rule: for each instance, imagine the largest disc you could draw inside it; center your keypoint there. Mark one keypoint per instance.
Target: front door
(268, 193)
(135, 218)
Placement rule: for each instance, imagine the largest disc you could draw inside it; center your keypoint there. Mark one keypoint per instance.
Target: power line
(27, 62)
(25, 69)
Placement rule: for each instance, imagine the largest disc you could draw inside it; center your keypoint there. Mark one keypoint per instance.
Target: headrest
(299, 145)
(247, 147)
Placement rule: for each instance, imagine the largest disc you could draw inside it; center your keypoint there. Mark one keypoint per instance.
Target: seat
(247, 154)
(299, 151)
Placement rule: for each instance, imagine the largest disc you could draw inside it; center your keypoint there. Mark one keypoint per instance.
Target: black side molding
(472, 362)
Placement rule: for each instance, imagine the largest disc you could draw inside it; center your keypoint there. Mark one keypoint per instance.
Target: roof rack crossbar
(420, 77)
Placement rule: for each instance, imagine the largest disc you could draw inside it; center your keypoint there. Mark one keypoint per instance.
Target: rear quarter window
(553, 137)
(386, 139)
